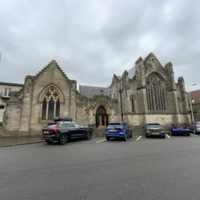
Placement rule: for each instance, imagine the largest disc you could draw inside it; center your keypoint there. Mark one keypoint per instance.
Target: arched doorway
(101, 117)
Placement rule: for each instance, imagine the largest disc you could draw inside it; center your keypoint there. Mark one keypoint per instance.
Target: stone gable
(146, 93)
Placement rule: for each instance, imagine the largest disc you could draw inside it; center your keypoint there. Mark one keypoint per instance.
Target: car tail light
(161, 129)
(121, 129)
(172, 127)
(198, 126)
(148, 129)
(54, 129)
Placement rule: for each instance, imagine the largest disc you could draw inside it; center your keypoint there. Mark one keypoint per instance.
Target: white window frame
(7, 92)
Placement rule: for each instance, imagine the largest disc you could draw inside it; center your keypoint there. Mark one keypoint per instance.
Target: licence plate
(113, 130)
(155, 133)
(46, 132)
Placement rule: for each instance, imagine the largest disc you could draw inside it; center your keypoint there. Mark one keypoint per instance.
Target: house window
(155, 90)
(7, 92)
(50, 104)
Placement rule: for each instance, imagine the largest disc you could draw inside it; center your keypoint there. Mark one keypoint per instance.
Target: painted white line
(139, 137)
(100, 141)
(167, 135)
(192, 134)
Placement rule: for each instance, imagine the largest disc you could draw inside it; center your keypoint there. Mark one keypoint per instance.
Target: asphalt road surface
(140, 169)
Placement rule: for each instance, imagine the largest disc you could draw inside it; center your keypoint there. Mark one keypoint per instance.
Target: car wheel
(131, 135)
(125, 137)
(188, 134)
(63, 139)
(163, 136)
(49, 141)
(107, 138)
(88, 135)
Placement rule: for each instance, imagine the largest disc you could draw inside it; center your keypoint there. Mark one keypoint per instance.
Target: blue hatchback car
(118, 130)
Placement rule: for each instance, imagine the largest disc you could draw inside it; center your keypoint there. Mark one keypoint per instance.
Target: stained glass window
(155, 90)
(51, 104)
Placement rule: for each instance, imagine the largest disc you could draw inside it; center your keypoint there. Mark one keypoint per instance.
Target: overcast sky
(93, 39)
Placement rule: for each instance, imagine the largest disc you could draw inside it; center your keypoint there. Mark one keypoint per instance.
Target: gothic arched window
(50, 104)
(132, 104)
(155, 89)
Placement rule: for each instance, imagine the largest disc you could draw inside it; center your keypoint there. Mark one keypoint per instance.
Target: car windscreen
(178, 125)
(50, 126)
(154, 126)
(115, 126)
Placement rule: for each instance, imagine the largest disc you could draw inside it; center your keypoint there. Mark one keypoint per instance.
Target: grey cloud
(92, 40)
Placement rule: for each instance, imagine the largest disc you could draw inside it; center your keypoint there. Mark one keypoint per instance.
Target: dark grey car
(195, 127)
(154, 130)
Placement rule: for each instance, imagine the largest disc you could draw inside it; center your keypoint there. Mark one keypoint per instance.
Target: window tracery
(50, 104)
(155, 89)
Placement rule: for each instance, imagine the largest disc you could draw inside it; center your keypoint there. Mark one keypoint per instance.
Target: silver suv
(195, 127)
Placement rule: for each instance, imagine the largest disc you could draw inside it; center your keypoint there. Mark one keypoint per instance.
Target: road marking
(139, 137)
(100, 141)
(192, 134)
(167, 135)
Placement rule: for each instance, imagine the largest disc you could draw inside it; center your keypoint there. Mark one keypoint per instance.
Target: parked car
(195, 127)
(179, 129)
(118, 130)
(154, 130)
(64, 129)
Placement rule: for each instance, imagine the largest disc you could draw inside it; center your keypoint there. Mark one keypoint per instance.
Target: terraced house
(145, 93)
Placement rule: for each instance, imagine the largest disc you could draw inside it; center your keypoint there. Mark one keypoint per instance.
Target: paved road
(141, 169)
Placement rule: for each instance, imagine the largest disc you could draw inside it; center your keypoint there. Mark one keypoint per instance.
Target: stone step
(99, 132)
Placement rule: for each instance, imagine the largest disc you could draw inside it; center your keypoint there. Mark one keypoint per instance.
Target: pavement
(19, 140)
(29, 139)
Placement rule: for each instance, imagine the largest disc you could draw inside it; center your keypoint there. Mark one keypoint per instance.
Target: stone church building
(146, 93)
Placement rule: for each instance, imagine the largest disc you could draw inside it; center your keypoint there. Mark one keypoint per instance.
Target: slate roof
(91, 91)
(131, 72)
(195, 96)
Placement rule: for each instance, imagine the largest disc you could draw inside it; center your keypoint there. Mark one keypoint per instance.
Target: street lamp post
(192, 113)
